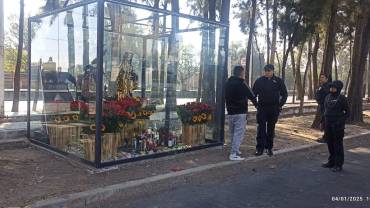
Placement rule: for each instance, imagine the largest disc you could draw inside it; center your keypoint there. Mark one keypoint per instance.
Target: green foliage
(188, 65)
(300, 17)
(10, 59)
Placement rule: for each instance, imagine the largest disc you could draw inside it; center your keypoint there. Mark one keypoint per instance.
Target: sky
(32, 7)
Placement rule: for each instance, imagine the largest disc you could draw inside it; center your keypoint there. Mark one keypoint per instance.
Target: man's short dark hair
(238, 70)
(269, 67)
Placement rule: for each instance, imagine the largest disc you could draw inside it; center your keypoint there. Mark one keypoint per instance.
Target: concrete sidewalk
(30, 174)
(187, 194)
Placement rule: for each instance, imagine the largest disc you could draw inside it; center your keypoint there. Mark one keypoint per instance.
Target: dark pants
(267, 117)
(322, 122)
(334, 138)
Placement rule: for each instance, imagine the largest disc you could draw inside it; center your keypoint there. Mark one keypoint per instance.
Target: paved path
(286, 181)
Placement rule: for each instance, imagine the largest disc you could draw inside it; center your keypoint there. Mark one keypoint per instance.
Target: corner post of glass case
(29, 81)
(225, 7)
(99, 81)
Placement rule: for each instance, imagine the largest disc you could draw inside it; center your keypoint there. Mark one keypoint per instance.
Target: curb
(82, 199)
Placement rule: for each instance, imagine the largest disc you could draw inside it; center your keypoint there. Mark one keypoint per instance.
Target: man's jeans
(237, 130)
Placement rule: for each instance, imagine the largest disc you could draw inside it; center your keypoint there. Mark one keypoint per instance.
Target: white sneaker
(235, 157)
(239, 153)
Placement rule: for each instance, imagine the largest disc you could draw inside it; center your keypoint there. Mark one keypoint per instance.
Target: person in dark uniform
(237, 94)
(320, 95)
(336, 113)
(271, 94)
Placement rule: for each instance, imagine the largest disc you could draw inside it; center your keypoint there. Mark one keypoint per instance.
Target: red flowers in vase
(194, 113)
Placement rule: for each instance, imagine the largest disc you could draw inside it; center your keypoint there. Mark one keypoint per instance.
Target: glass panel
(63, 73)
(159, 83)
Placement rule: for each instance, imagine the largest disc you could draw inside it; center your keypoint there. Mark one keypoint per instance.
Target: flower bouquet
(82, 107)
(194, 116)
(194, 113)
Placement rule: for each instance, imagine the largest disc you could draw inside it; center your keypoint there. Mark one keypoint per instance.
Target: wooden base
(108, 147)
(62, 135)
(193, 134)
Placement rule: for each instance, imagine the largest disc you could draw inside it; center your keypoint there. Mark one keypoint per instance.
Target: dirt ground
(29, 174)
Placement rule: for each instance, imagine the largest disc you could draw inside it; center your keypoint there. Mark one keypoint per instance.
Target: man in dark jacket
(336, 113)
(320, 95)
(237, 94)
(272, 95)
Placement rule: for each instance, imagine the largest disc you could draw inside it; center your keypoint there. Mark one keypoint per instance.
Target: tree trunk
(85, 35)
(17, 72)
(155, 71)
(292, 60)
(71, 42)
(267, 32)
(274, 29)
(314, 62)
(173, 50)
(368, 77)
(290, 47)
(203, 53)
(308, 66)
(350, 68)
(1, 58)
(327, 60)
(310, 84)
(360, 51)
(335, 66)
(163, 57)
(209, 91)
(299, 86)
(252, 25)
(38, 84)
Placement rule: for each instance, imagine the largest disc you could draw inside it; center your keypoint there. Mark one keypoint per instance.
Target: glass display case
(118, 81)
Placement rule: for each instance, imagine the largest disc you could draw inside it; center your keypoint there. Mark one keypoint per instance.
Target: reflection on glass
(160, 75)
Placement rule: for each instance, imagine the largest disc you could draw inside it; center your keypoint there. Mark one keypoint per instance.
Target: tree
(208, 84)
(187, 66)
(308, 66)
(71, 41)
(1, 57)
(248, 24)
(274, 29)
(19, 59)
(172, 69)
(330, 40)
(360, 51)
(155, 64)
(163, 55)
(236, 52)
(314, 61)
(267, 7)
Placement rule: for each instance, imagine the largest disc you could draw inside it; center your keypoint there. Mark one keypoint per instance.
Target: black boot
(336, 169)
(258, 152)
(327, 165)
(269, 152)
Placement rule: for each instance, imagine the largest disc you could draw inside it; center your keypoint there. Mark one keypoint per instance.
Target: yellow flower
(92, 127)
(120, 125)
(132, 115)
(194, 119)
(204, 116)
(66, 118)
(58, 119)
(75, 117)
